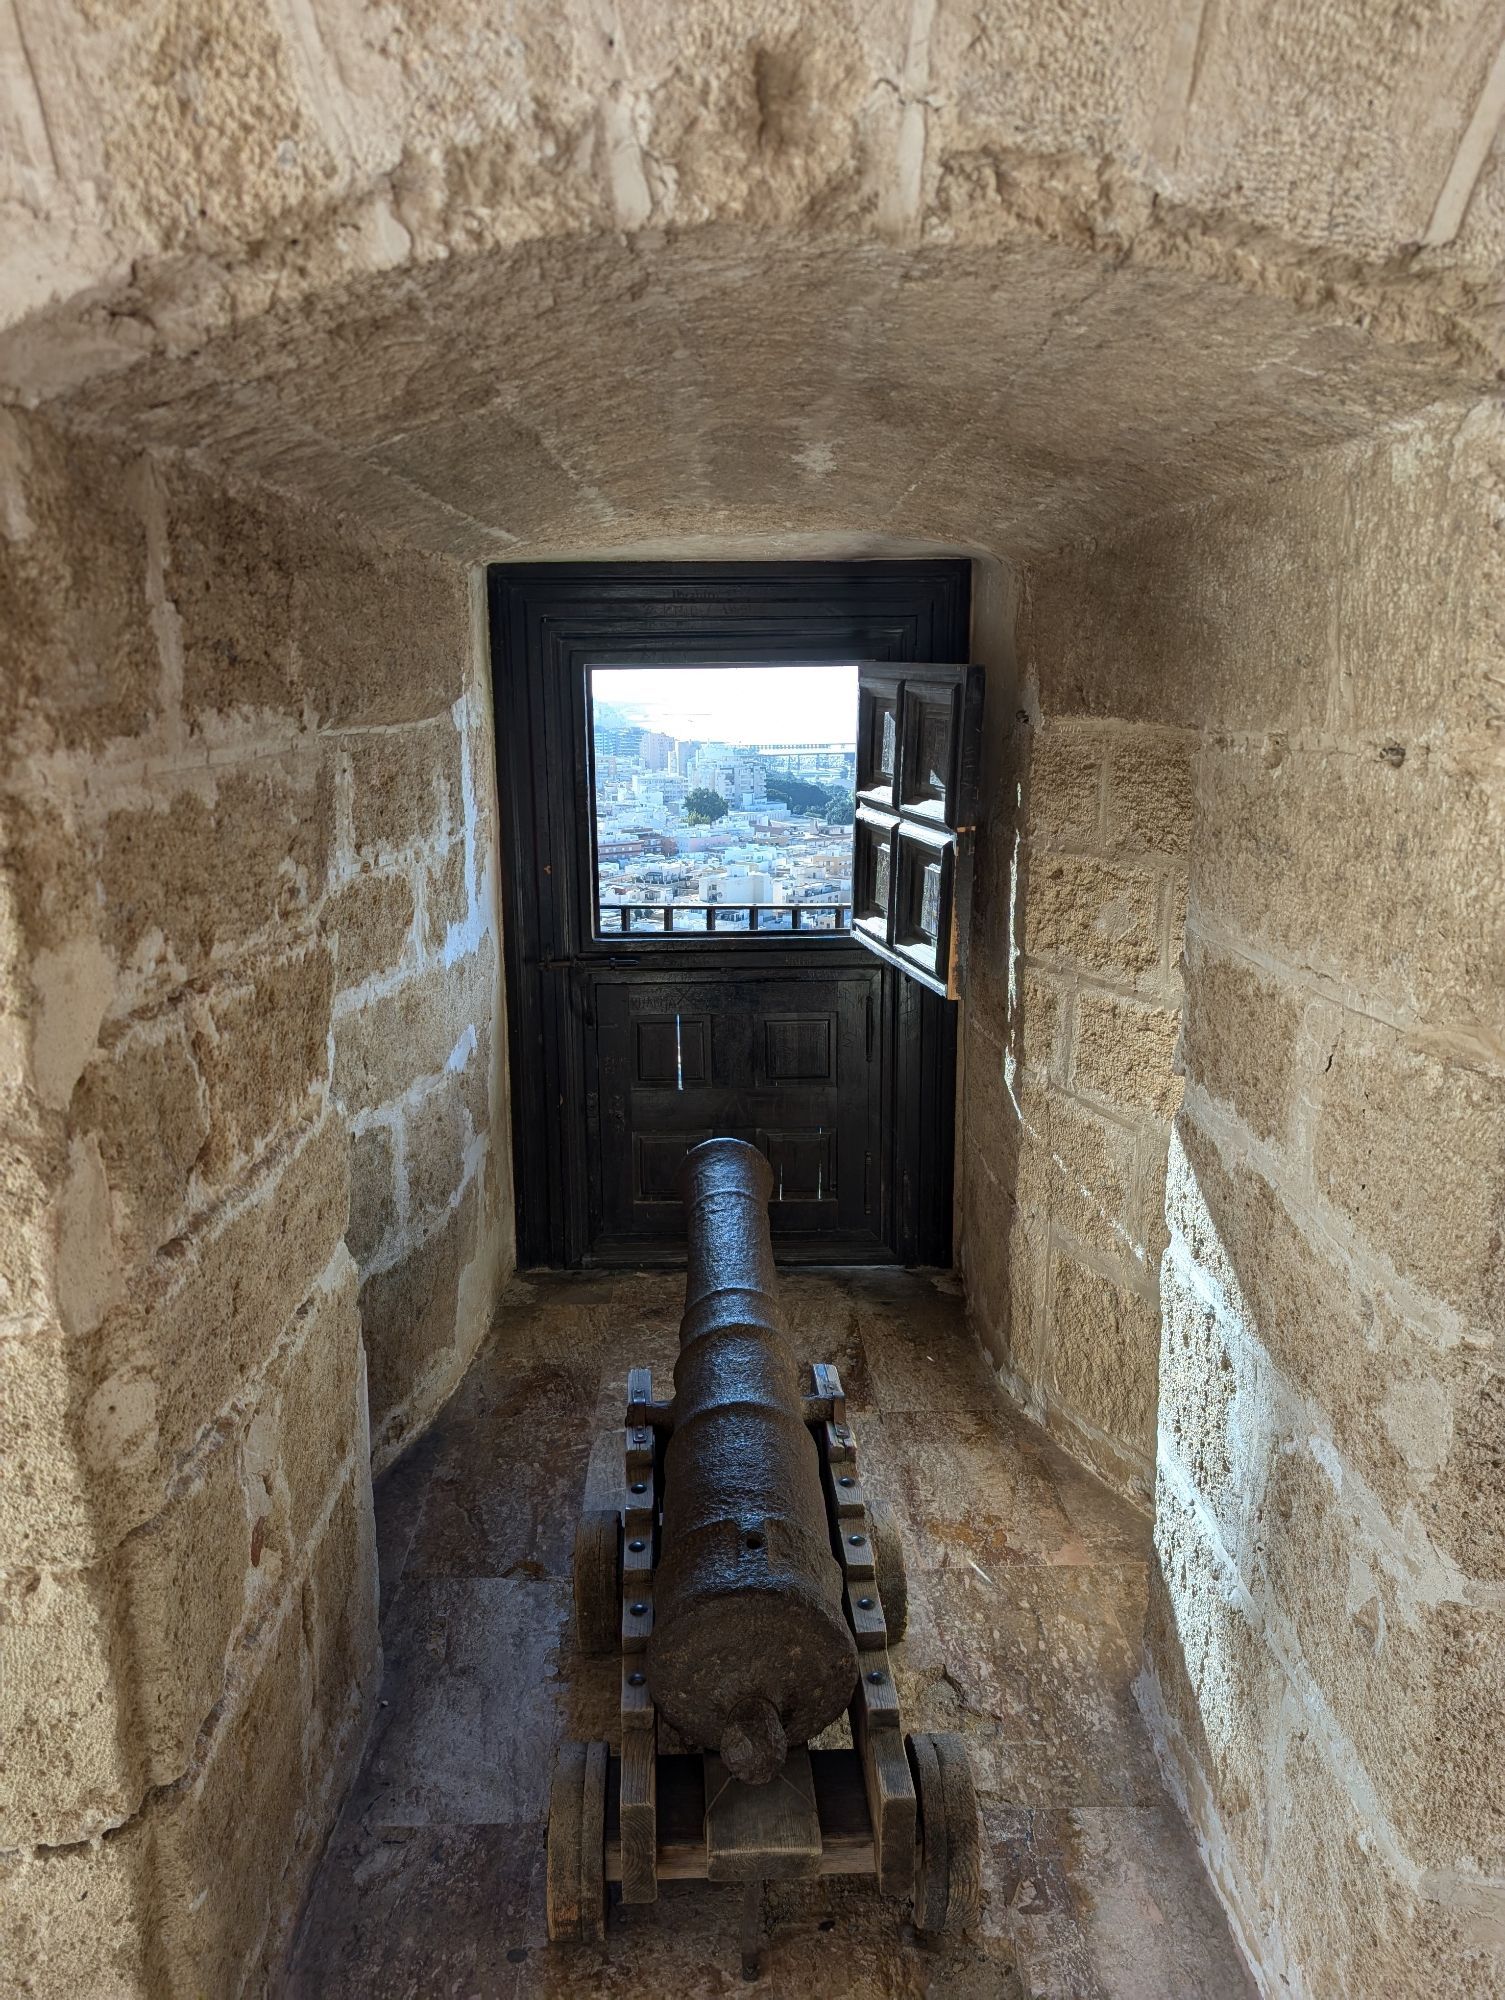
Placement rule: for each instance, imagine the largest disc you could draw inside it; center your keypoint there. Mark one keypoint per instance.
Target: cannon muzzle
(751, 1649)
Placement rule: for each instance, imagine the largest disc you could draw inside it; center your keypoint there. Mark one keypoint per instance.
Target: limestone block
(31, 1171)
(1415, 1684)
(383, 1047)
(1214, 1402)
(82, 662)
(1343, 1911)
(111, 1672)
(1149, 793)
(476, 1078)
(1125, 1051)
(447, 894)
(208, 876)
(1092, 916)
(436, 1137)
(262, 1045)
(231, 563)
(49, 1511)
(404, 786)
(1158, 628)
(48, 873)
(369, 922)
(401, 665)
(989, 1119)
(143, 1100)
(1378, 875)
(318, 1386)
(408, 1312)
(78, 1920)
(1417, 1415)
(226, 1844)
(1241, 1039)
(1421, 635)
(1037, 1024)
(1221, 1685)
(143, 1391)
(340, 1613)
(1104, 1347)
(1079, 1170)
(1065, 764)
(1411, 1147)
(373, 1192)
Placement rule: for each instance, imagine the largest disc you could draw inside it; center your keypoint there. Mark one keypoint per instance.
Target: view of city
(724, 797)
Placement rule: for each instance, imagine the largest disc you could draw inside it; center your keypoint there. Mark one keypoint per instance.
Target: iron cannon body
(751, 1593)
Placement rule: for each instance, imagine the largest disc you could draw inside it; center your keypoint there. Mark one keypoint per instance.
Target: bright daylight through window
(723, 798)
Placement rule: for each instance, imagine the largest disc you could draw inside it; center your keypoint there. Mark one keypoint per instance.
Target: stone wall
(1070, 1029)
(248, 1086)
(1327, 1642)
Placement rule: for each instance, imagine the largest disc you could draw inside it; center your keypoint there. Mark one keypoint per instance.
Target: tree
(703, 807)
(802, 798)
(841, 811)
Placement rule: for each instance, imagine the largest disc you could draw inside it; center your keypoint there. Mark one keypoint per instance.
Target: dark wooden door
(786, 1060)
(627, 1048)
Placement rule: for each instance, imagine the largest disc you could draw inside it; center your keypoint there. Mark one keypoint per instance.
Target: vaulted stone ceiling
(550, 279)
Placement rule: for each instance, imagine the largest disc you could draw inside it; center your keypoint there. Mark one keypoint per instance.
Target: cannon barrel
(750, 1649)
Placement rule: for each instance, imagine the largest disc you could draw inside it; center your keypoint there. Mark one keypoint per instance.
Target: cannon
(752, 1591)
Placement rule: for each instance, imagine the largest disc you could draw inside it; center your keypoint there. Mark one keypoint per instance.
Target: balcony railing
(696, 919)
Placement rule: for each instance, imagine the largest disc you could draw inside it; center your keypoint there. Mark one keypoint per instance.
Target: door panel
(788, 1063)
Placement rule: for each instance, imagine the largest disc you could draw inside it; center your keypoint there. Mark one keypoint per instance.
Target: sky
(735, 704)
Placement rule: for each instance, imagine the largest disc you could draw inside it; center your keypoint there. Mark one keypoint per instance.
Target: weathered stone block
(1397, 1123)
(1102, 1354)
(1064, 783)
(82, 663)
(370, 923)
(382, 1048)
(1213, 1406)
(446, 895)
(1378, 875)
(1414, 1414)
(211, 874)
(1126, 1052)
(1078, 1170)
(373, 1192)
(263, 1048)
(408, 1312)
(231, 563)
(404, 786)
(1094, 916)
(340, 1612)
(1241, 1039)
(1036, 1024)
(1221, 1685)
(319, 1388)
(1414, 1683)
(111, 1672)
(435, 1141)
(144, 1101)
(404, 664)
(49, 1950)
(154, 1380)
(1151, 780)
(31, 1172)
(1159, 629)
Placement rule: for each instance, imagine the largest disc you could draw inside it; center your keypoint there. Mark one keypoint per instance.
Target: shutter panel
(919, 732)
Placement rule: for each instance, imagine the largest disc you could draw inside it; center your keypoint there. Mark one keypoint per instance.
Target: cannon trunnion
(752, 1592)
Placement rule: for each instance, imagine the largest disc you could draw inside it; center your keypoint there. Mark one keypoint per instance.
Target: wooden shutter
(918, 735)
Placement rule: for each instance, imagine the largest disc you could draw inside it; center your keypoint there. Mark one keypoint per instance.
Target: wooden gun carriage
(753, 1591)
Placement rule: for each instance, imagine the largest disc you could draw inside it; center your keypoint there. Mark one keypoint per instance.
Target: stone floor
(1027, 1586)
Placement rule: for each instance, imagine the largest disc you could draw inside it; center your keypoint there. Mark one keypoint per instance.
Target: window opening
(723, 798)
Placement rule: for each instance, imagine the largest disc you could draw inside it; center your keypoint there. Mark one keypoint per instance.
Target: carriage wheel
(598, 1580)
(948, 1859)
(888, 1561)
(575, 1895)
